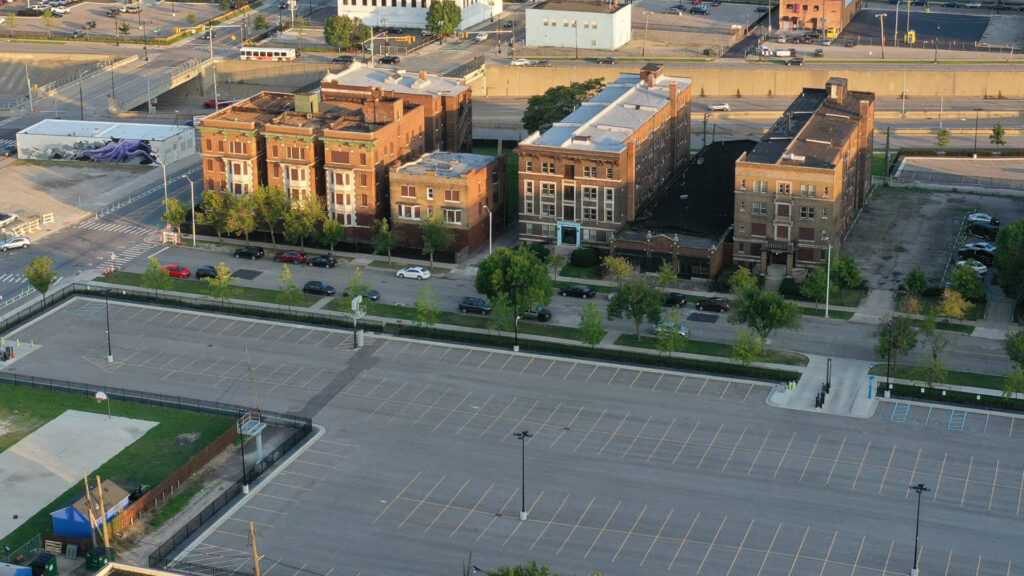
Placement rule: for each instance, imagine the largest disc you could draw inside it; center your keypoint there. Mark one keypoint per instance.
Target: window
(590, 193)
(743, 184)
(529, 166)
(362, 179)
(409, 212)
(451, 195)
(209, 145)
(568, 213)
(609, 197)
(824, 213)
(782, 233)
(784, 188)
(408, 191)
(347, 219)
(296, 175)
(547, 189)
(296, 153)
(609, 214)
(568, 193)
(528, 197)
(590, 213)
(826, 191)
(759, 208)
(805, 233)
(760, 186)
(805, 254)
(782, 210)
(807, 212)
(590, 171)
(453, 215)
(430, 193)
(239, 147)
(610, 173)
(547, 209)
(544, 22)
(364, 200)
(547, 167)
(220, 146)
(808, 190)
(277, 170)
(758, 229)
(339, 157)
(362, 158)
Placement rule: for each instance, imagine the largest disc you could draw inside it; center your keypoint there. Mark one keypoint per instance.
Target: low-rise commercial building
(413, 13)
(579, 24)
(818, 14)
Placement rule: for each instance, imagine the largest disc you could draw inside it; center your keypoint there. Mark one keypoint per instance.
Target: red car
(716, 304)
(297, 256)
(218, 103)
(177, 271)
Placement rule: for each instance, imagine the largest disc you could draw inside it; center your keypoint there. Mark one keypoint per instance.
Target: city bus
(275, 54)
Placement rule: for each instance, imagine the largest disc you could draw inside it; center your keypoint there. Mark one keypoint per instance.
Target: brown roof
(112, 495)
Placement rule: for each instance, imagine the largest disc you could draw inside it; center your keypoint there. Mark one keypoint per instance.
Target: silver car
(15, 242)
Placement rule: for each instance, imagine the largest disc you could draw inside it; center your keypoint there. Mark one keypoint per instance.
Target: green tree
(41, 275)
(260, 23)
(670, 340)
(443, 18)
(356, 286)
(433, 231)
(214, 212)
(220, 286)
(338, 32)
(765, 312)
(998, 135)
(271, 203)
(934, 369)
(916, 282)
(592, 330)
(942, 137)
(748, 347)
(953, 305)
(49, 20)
(155, 277)
(846, 272)
(289, 295)
(517, 275)
(12, 23)
(362, 32)
(530, 569)
(667, 275)
(301, 25)
(242, 216)
(384, 238)
(965, 281)
(896, 334)
(1014, 383)
(742, 280)
(331, 232)
(617, 268)
(175, 213)
(192, 19)
(225, 5)
(1010, 259)
(125, 29)
(555, 263)
(816, 284)
(636, 300)
(303, 221)
(557, 103)
(427, 312)
(1014, 345)
(502, 317)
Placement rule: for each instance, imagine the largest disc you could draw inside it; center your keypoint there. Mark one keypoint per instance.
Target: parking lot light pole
(920, 489)
(110, 350)
(881, 27)
(490, 230)
(936, 42)
(192, 193)
(976, 112)
(523, 514)
(515, 310)
(888, 357)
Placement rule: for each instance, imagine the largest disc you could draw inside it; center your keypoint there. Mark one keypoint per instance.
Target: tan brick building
(447, 102)
(461, 187)
(817, 14)
(800, 188)
(587, 176)
(233, 144)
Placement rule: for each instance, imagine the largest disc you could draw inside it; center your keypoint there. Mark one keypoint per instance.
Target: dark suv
(206, 272)
(540, 314)
(674, 299)
(250, 252)
(986, 258)
(478, 305)
(578, 291)
(389, 60)
(982, 230)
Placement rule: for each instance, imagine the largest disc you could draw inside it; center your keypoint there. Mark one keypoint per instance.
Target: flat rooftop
(606, 121)
(447, 164)
(576, 6)
(262, 108)
(400, 81)
(88, 129)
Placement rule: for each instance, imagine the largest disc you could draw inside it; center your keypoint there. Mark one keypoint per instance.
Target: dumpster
(98, 557)
(44, 564)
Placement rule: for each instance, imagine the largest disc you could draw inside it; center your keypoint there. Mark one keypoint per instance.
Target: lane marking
(810, 458)
(657, 536)
(828, 481)
(386, 508)
(630, 533)
(711, 546)
(861, 467)
(578, 522)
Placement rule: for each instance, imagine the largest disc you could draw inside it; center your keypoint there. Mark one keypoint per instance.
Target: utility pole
(881, 27)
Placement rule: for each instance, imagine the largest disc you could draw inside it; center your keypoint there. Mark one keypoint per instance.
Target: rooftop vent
(581, 139)
(794, 157)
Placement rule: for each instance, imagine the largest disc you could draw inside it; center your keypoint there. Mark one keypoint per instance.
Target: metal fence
(910, 176)
(81, 75)
(135, 90)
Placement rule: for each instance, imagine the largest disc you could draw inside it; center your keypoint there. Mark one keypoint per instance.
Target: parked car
(206, 272)
(250, 252)
(700, 9)
(826, 42)
(674, 299)
(675, 11)
(951, 5)
(982, 230)
(508, 24)
(60, 10)
(973, 5)
(89, 25)
(819, 52)
(344, 59)
(798, 61)
(761, 9)
(607, 60)
(716, 304)
(519, 62)
(318, 288)
(539, 313)
(979, 268)
(983, 218)
(293, 256)
(78, 33)
(15, 242)
(578, 291)
(323, 261)
(6, 219)
(670, 327)
(370, 294)
(981, 247)
(851, 43)
(919, 3)
(542, 64)
(986, 258)
(389, 60)
(471, 304)
(177, 271)
(218, 103)
(8, 150)
(417, 272)
(718, 107)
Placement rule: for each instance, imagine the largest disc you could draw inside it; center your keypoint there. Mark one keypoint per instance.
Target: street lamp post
(523, 436)
(164, 168)
(888, 356)
(920, 489)
(515, 310)
(110, 350)
(976, 112)
(192, 194)
(490, 230)
(881, 26)
(935, 41)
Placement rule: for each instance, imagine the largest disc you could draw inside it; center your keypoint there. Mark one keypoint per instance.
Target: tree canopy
(636, 300)
(435, 235)
(443, 18)
(765, 312)
(558, 102)
(342, 32)
(41, 275)
(517, 275)
(1010, 259)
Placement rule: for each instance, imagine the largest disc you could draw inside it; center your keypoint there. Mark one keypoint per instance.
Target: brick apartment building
(799, 189)
(588, 175)
(817, 14)
(464, 188)
(447, 102)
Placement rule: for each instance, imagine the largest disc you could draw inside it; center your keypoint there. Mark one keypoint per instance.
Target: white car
(670, 327)
(6, 219)
(979, 268)
(519, 62)
(60, 10)
(417, 272)
(981, 246)
(719, 107)
(983, 218)
(15, 242)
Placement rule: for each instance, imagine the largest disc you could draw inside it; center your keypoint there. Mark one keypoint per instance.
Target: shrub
(585, 257)
(789, 288)
(540, 250)
(932, 292)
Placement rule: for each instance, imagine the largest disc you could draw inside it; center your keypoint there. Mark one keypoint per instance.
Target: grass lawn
(948, 326)
(191, 286)
(908, 372)
(878, 166)
(579, 272)
(398, 266)
(148, 461)
(716, 349)
(832, 313)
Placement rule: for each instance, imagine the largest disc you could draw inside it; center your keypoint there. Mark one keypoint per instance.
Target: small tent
(74, 520)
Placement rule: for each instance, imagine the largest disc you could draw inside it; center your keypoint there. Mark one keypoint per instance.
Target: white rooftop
(609, 118)
(123, 131)
(401, 81)
(448, 164)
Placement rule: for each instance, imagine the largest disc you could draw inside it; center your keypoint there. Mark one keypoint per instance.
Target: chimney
(836, 89)
(650, 73)
(307, 103)
(423, 75)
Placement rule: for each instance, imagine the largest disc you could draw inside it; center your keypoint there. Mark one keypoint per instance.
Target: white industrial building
(579, 25)
(413, 13)
(108, 142)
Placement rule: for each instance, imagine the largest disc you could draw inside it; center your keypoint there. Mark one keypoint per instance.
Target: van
(785, 52)
(481, 37)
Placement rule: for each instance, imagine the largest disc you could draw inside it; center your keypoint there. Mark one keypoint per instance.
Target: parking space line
(708, 449)
(247, 505)
(810, 458)
(264, 494)
(733, 452)
(484, 361)
(784, 454)
(887, 467)
(680, 385)
(285, 334)
(655, 387)
(747, 395)
(527, 366)
(978, 571)
(459, 363)
(520, 524)
(769, 551)
(453, 410)
(706, 380)
(1013, 420)
(657, 536)
(630, 533)
(548, 419)
(740, 548)
(445, 507)
(498, 515)
(828, 481)
(300, 570)
(587, 435)
(1020, 493)
(631, 384)
(524, 418)
(578, 522)
(995, 481)
(567, 427)
(291, 486)
(548, 525)
(799, 550)
(861, 467)
(939, 481)
(614, 433)
(553, 362)
(683, 541)
(967, 482)
(396, 498)
(294, 473)
(835, 534)
(592, 373)
(613, 377)
(885, 569)
(949, 562)
(686, 443)
(662, 439)
(420, 501)
(499, 416)
(759, 452)
(472, 510)
(509, 359)
(913, 472)
(384, 403)
(173, 319)
(481, 407)
(233, 322)
(432, 406)
(726, 389)
(603, 528)
(321, 341)
(712, 545)
(408, 403)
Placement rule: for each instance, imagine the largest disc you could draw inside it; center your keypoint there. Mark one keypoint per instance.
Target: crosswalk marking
(20, 279)
(114, 227)
(123, 255)
(4, 142)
